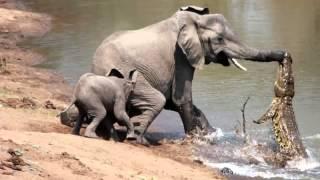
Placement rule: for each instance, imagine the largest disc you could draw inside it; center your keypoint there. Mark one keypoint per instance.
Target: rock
(35, 146)
(16, 152)
(10, 173)
(28, 103)
(3, 66)
(12, 102)
(198, 161)
(15, 162)
(49, 105)
(226, 171)
(25, 102)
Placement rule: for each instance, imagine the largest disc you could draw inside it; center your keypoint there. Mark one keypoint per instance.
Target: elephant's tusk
(237, 64)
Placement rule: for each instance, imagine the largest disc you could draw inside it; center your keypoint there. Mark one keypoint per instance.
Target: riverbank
(33, 143)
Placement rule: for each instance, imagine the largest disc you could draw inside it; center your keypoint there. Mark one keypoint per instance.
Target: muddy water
(80, 26)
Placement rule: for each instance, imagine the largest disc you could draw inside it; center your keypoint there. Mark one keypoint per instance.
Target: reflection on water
(294, 25)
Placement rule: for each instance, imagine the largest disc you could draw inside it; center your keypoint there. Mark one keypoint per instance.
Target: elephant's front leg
(194, 121)
(185, 112)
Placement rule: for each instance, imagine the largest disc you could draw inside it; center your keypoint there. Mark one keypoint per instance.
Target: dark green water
(79, 26)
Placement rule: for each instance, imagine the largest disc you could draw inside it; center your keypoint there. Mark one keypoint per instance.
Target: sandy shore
(33, 143)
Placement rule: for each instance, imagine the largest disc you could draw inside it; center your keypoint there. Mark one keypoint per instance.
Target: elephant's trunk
(241, 51)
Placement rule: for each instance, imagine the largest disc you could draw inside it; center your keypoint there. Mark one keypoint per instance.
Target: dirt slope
(77, 157)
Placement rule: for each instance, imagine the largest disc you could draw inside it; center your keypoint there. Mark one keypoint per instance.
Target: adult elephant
(166, 54)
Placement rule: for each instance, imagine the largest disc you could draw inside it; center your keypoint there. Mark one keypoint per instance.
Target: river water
(79, 26)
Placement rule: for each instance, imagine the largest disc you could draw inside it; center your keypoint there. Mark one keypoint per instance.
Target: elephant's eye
(218, 40)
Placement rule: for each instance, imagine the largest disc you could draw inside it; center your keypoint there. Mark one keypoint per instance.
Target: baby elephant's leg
(114, 134)
(79, 121)
(98, 113)
(121, 115)
(111, 130)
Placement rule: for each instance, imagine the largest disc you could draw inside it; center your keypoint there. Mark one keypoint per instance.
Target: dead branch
(244, 117)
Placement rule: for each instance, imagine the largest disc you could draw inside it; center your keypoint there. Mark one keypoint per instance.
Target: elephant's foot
(131, 135)
(76, 129)
(194, 121)
(200, 122)
(115, 138)
(74, 132)
(114, 135)
(91, 134)
(143, 141)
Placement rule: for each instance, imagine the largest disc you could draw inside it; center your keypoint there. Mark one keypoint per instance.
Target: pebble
(226, 171)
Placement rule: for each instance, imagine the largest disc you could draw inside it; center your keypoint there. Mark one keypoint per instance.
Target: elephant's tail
(65, 110)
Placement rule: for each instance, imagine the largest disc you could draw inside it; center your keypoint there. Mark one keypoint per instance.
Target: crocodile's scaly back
(282, 115)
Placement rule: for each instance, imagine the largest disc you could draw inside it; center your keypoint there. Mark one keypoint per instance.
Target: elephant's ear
(195, 9)
(115, 72)
(133, 76)
(189, 41)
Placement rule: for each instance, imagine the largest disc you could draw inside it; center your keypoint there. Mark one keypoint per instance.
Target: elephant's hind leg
(121, 114)
(111, 131)
(98, 114)
(149, 101)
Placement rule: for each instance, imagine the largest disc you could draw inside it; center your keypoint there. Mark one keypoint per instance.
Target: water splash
(316, 136)
(230, 151)
(256, 171)
(302, 169)
(208, 139)
(215, 135)
(304, 164)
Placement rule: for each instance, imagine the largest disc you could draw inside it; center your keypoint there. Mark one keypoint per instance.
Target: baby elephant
(96, 95)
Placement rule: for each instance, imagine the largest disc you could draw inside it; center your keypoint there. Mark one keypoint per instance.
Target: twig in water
(238, 127)
(244, 118)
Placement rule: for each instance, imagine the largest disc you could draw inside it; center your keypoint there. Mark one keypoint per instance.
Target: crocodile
(280, 112)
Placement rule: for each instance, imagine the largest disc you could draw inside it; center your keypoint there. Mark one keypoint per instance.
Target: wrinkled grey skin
(166, 54)
(96, 95)
(69, 116)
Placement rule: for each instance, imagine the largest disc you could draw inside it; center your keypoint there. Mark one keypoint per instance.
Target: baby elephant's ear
(133, 75)
(116, 73)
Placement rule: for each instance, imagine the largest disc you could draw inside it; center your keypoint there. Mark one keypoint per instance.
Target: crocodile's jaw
(284, 85)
